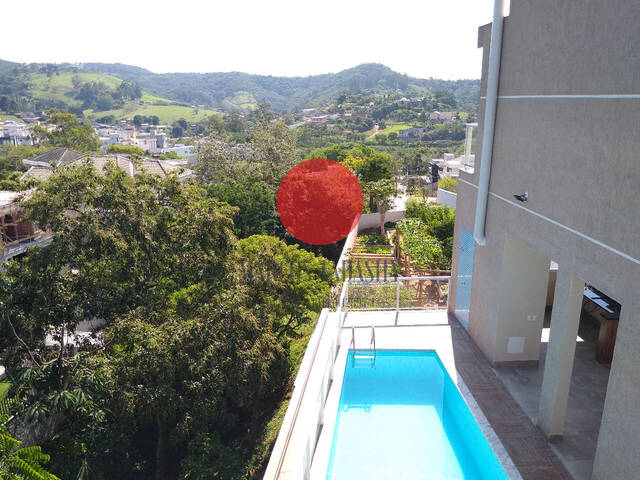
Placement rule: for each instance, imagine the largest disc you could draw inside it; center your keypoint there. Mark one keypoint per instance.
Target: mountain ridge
(227, 90)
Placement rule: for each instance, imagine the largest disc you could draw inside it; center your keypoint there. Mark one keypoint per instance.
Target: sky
(422, 38)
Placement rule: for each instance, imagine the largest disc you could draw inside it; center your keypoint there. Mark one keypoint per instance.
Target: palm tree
(17, 462)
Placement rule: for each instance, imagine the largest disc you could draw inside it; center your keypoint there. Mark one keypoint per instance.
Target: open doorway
(594, 346)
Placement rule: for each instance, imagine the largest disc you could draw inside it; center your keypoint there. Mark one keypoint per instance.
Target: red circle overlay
(319, 201)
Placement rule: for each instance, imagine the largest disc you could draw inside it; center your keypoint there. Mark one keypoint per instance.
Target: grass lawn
(244, 100)
(392, 127)
(166, 113)
(59, 87)
(4, 388)
(4, 117)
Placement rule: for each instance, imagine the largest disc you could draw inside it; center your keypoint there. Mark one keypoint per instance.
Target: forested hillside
(285, 92)
(37, 86)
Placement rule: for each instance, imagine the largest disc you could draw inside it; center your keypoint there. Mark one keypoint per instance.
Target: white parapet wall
(368, 220)
(447, 198)
(372, 220)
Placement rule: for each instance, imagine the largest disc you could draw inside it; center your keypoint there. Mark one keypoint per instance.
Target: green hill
(53, 85)
(286, 93)
(36, 88)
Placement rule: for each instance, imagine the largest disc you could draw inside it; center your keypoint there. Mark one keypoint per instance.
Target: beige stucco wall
(578, 159)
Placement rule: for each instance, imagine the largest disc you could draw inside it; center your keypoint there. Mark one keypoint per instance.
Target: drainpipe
(491, 101)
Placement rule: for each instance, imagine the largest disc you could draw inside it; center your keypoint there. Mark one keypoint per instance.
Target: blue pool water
(405, 419)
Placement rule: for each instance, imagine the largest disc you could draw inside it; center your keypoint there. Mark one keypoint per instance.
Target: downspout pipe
(491, 101)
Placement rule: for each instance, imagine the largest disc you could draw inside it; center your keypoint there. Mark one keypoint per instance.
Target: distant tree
(381, 192)
(76, 82)
(104, 102)
(131, 150)
(68, 132)
(274, 145)
(129, 91)
(256, 212)
(235, 123)
(445, 99)
(216, 124)
(177, 132)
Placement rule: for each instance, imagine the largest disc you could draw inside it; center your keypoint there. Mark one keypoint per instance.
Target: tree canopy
(68, 132)
(192, 354)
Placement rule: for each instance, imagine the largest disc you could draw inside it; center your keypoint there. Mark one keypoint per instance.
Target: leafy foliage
(68, 132)
(448, 184)
(286, 281)
(18, 462)
(424, 249)
(193, 357)
(433, 223)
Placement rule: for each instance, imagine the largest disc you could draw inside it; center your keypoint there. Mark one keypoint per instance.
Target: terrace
(410, 314)
(16, 233)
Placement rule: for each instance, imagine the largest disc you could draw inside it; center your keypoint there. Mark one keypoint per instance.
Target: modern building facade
(563, 181)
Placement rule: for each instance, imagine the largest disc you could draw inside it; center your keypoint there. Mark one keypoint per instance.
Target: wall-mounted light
(522, 198)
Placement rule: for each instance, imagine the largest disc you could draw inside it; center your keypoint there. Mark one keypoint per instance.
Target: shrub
(448, 184)
(375, 239)
(426, 250)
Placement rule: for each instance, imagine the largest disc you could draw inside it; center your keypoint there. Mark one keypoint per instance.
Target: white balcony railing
(295, 446)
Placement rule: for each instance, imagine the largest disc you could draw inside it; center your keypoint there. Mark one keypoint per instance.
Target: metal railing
(400, 293)
(305, 414)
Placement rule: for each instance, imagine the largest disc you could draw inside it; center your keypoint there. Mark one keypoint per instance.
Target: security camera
(522, 198)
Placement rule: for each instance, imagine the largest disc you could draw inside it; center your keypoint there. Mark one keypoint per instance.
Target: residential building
(14, 133)
(181, 149)
(413, 134)
(545, 343)
(42, 171)
(441, 117)
(546, 254)
(16, 233)
(55, 157)
(152, 141)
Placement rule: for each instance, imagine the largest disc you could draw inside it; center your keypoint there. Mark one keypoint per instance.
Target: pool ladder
(366, 359)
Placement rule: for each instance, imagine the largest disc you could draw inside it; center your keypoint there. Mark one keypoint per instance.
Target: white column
(565, 319)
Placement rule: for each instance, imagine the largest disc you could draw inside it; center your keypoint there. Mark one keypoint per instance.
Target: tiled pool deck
(522, 449)
(529, 450)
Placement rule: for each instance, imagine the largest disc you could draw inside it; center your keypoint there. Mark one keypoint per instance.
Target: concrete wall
(522, 296)
(447, 198)
(566, 132)
(372, 220)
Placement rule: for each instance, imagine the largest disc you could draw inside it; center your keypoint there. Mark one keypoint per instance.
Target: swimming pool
(400, 416)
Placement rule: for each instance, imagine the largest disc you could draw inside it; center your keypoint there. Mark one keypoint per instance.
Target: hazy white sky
(423, 38)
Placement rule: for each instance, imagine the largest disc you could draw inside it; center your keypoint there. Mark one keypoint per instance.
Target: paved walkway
(529, 450)
(586, 398)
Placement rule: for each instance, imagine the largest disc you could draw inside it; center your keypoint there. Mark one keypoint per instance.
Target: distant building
(42, 171)
(441, 117)
(16, 233)
(413, 134)
(14, 133)
(152, 142)
(181, 149)
(55, 157)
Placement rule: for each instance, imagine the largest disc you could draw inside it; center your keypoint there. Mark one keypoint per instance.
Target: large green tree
(192, 358)
(68, 132)
(285, 280)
